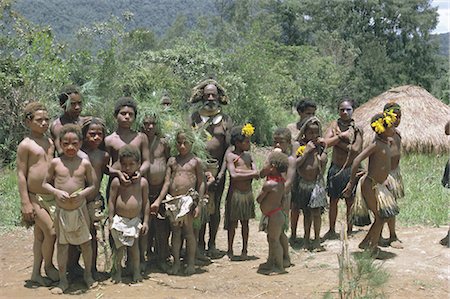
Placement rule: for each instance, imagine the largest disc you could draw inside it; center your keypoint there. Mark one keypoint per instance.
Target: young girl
(94, 132)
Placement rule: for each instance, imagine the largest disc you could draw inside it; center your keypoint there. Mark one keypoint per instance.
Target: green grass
(10, 214)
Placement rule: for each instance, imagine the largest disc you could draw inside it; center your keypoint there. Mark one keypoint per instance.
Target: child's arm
(145, 152)
(22, 162)
(113, 193)
(49, 181)
(223, 168)
(240, 176)
(309, 149)
(290, 174)
(91, 181)
(144, 188)
(165, 188)
(264, 191)
(201, 185)
(323, 161)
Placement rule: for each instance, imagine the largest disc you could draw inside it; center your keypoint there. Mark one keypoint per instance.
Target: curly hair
(70, 128)
(283, 132)
(31, 108)
(279, 160)
(94, 121)
(197, 92)
(303, 104)
(130, 151)
(125, 101)
(66, 91)
(236, 135)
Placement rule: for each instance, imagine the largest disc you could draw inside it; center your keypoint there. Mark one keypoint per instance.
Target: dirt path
(421, 270)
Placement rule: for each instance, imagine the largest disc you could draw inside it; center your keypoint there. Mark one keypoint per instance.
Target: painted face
(312, 133)
(125, 117)
(280, 142)
(399, 118)
(183, 145)
(129, 165)
(389, 132)
(345, 110)
(94, 135)
(39, 122)
(210, 98)
(149, 126)
(244, 145)
(76, 105)
(307, 113)
(70, 144)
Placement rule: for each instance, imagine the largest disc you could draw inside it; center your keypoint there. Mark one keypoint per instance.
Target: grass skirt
(395, 183)
(239, 206)
(337, 180)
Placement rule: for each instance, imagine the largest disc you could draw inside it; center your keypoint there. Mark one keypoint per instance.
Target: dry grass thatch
(423, 119)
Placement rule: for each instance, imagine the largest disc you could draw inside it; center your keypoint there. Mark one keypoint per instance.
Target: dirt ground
(420, 270)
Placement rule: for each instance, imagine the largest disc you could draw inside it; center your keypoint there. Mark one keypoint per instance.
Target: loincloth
(337, 180)
(73, 227)
(48, 203)
(125, 230)
(95, 208)
(178, 207)
(264, 221)
(153, 194)
(240, 206)
(394, 183)
(304, 198)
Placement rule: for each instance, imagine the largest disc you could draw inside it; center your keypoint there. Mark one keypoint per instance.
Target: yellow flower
(390, 117)
(300, 150)
(248, 130)
(378, 125)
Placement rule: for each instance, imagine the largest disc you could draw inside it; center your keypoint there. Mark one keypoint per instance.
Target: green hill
(443, 43)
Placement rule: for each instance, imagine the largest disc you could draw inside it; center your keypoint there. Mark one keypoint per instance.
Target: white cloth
(125, 230)
(179, 206)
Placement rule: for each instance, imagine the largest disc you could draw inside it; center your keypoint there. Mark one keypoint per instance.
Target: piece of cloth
(240, 206)
(178, 207)
(73, 226)
(337, 180)
(95, 208)
(304, 197)
(47, 202)
(394, 183)
(265, 218)
(125, 230)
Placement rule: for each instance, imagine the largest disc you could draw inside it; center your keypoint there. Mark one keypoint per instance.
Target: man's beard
(210, 108)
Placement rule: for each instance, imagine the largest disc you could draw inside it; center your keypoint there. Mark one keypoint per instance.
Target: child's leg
(285, 244)
(176, 243)
(245, 233)
(62, 256)
(317, 222)
(201, 244)
(117, 262)
(215, 219)
(231, 232)
(45, 224)
(295, 213)
(307, 220)
(143, 241)
(37, 256)
(94, 246)
(274, 231)
(332, 215)
(135, 261)
(86, 251)
(349, 203)
(162, 242)
(393, 239)
(370, 197)
(191, 244)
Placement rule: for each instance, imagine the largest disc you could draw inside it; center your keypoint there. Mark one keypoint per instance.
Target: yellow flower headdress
(390, 117)
(381, 121)
(300, 150)
(248, 130)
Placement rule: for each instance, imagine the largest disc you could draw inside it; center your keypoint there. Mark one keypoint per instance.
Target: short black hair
(70, 128)
(352, 102)
(94, 121)
(285, 132)
(303, 104)
(130, 151)
(236, 135)
(279, 160)
(125, 101)
(66, 91)
(392, 105)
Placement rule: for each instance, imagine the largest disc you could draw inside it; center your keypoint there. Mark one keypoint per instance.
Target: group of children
(151, 195)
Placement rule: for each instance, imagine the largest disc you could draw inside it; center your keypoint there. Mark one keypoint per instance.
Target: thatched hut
(423, 119)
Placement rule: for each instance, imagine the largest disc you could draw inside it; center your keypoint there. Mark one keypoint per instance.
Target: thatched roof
(423, 119)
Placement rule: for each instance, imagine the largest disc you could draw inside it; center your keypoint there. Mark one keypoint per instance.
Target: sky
(444, 15)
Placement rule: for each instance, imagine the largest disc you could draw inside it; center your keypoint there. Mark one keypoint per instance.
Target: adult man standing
(216, 125)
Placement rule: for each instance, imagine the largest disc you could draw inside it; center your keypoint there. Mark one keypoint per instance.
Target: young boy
(184, 185)
(346, 140)
(305, 109)
(125, 209)
(71, 180)
(34, 154)
(159, 227)
(274, 220)
(371, 188)
(240, 205)
(395, 181)
(311, 162)
(94, 133)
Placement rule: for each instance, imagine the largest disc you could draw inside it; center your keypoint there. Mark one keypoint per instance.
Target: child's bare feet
(244, 255)
(230, 254)
(137, 277)
(331, 235)
(116, 277)
(395, 243)
(175, 268)
(52, 273)
(307, 245)
(214, 253)
(39, 280)
(61, 288)
(287, 262)
(444, 241)
(190, 270)
(265, 266)
(90, 282)
(163, 266)
(143, 266)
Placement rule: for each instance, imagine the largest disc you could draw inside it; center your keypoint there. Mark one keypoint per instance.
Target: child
(311, 162)
(183, 185)
(395, 181)
(34, 154)
(305, 109)
(346, 140)
(159, 227)
(71, 180)
(125, 209)
(371, 189)
(240, 205)
(94, 132)
(274, 220)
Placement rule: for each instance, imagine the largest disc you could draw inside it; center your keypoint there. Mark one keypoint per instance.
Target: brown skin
(338, 137)
(129, 200)
(270, 198)
(242, 170)
(183, 173)
(311, 164)
(379, 166)
(34, 153)
(66, 175)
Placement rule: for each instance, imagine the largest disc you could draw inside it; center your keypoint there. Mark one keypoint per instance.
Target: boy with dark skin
(71, 180)
(311, 162)
(305, 109)
(184, 183)
(34, 153)
(274, 220)
(125, 209)
(346, 140)
(159, 226)
(217, 124)
(240, 204)
(372, 184)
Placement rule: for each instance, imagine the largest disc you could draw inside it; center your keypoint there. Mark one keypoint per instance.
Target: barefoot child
(346, 140)
(311, 162)
(71, 180)
(371, 189)
(240, 205)
(34, 154)
(274, 220)
(94, 132)
(184, 185)
(125, 209)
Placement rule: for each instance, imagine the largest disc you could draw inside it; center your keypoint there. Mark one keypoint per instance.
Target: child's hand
(124, 178)
(310, 146)
(345, 135)
(62, 195)
(154, 208)
(28, 212)
(144, 228)
(347, 193)
(136, 176)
